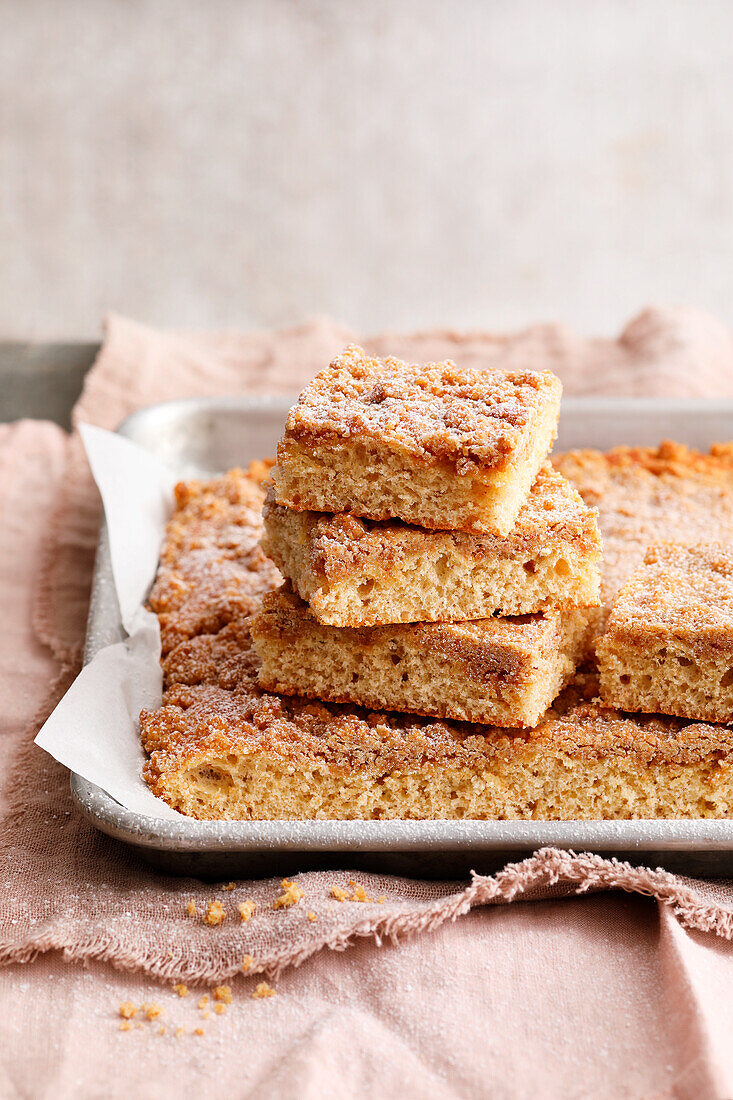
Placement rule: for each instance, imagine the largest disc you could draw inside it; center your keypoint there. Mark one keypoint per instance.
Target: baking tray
(207, 436)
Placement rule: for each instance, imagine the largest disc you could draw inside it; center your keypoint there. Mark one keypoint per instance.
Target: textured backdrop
(389, 162)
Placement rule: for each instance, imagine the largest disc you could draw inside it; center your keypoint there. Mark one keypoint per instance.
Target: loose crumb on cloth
(291, 895)
(215, 914)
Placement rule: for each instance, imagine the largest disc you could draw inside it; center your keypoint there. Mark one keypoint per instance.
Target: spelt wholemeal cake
(356, 572)
(668, 645)
(431, 445)
(506, 671)
(222, 747)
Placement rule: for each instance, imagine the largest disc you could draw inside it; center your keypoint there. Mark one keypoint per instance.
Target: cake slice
(216, 754)
(356, 572)
(492, 670)
(668, 645)
(432, 445)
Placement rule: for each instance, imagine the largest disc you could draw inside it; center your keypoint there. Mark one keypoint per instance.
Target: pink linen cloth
(605, 995)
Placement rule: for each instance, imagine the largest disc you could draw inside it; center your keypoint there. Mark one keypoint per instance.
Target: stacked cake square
(435, 562)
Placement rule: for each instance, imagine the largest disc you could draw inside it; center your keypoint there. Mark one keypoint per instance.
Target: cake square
(219, 747)
(506, 671)
(216, 755)
(668, 645)
(357, 572)
(433, 445)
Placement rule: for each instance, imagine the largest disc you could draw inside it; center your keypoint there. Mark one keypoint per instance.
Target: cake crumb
(339, 893)
(125, 1025)
(161, 1031)
(180, 989)
(215, 914)
(223, 993)
(198, 1031)
(381, 899)
(263, 990)
(311, 916)
(204, 1001)
(205, 1015)
(247, 963)
(246, 909)
(191, 909)
(291, 895)
(180, 1031)
(128, 1010)
(152, 1011)
(360, 894)
(229, 886)
(220, 1009)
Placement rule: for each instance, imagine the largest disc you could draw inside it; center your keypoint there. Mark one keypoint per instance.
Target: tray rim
(392, 835)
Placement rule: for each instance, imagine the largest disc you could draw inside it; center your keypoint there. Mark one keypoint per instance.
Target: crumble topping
(434, 412)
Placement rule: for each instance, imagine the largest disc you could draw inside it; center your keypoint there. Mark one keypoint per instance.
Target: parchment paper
(94, 729)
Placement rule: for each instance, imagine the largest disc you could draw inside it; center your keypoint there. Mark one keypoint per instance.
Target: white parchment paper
(94, 729)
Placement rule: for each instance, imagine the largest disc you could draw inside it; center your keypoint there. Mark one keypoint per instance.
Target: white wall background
(395, 163)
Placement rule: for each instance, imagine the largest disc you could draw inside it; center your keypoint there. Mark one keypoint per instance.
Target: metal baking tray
(207, 436)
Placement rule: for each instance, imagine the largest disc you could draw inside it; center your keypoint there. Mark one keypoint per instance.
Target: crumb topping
(685, 592)
(437, 412)
(648, 495)
(212, 568)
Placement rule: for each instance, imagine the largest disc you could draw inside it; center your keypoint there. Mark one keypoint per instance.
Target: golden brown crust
(432, 413)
